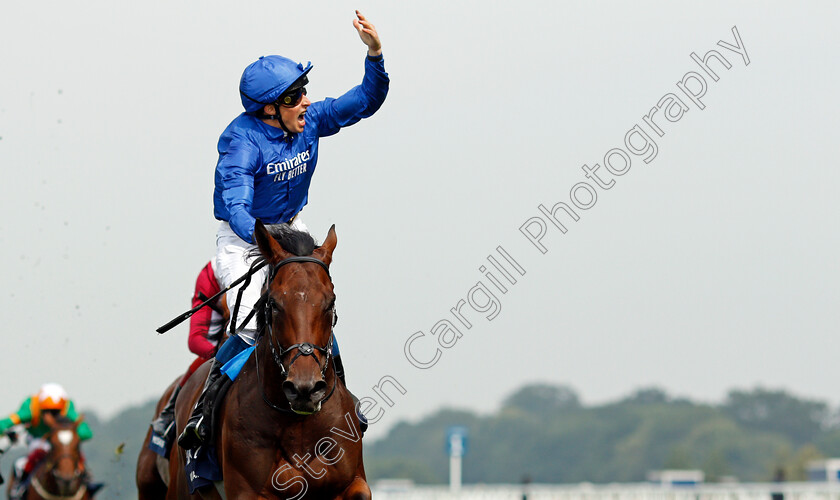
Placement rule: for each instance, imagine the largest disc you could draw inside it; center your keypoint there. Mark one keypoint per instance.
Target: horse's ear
(269, 247)
(79, 420)
(325, 251)
(49, 420)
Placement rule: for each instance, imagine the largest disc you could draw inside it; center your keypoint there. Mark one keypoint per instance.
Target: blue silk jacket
(264, 173)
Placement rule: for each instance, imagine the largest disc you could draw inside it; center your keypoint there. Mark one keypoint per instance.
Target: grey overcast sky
(712, 266)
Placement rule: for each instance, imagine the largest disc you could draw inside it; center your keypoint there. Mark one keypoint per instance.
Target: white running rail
(635, 491)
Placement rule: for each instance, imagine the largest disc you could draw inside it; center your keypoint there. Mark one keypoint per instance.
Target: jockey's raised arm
(267, 158)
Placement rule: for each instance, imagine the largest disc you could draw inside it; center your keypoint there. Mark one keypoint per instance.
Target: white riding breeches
(232, 262)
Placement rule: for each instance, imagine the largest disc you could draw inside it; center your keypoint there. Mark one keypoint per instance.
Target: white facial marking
(65, 437)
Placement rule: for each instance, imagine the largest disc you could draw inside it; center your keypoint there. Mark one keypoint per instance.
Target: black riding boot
(339, 369)
(339, 372)
(162, 426)
(92, 487)
(198, 428)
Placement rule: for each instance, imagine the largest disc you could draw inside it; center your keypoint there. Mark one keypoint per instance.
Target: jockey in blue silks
(267, 156)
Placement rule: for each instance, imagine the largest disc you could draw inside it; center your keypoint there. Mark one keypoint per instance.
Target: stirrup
(192, 437)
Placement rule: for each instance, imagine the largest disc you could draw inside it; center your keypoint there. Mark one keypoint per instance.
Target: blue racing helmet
(267, 78)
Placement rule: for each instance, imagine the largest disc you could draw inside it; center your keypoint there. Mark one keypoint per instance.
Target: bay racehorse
(62, 474)
(287, 427)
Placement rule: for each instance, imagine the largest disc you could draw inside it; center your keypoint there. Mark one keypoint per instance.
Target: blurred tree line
(543, 431)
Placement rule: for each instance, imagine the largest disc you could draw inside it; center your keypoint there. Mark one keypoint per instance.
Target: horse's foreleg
(358, 490)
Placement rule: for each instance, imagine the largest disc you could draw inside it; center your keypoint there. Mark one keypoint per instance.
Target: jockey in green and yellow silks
(50, 398)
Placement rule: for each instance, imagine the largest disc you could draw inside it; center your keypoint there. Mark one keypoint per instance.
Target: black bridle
(303, 348)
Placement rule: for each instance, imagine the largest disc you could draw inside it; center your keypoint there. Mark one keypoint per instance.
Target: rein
(303, 348)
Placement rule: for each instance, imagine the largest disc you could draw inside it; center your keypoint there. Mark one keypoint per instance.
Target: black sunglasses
(293, 97)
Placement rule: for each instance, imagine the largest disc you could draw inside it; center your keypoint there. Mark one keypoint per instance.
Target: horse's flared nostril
(304, 391)
(291, 391)
(319, 391)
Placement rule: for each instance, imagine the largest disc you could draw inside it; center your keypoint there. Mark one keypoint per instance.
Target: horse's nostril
(304, 391)
(290, 390)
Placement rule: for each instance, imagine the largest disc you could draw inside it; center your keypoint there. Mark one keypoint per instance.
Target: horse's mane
(293, 241)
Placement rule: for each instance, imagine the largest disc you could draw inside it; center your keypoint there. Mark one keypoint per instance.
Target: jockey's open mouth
(302, 118)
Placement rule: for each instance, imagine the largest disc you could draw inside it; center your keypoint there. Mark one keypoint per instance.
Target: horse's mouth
(67, 486)
(305, 408)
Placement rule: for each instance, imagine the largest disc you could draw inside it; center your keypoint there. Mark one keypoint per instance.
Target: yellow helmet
(52, 397)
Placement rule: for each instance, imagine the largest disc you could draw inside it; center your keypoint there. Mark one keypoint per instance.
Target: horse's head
(64, 460)
(299, 312)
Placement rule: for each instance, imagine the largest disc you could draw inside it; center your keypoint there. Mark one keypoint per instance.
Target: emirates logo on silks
(288, 168)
